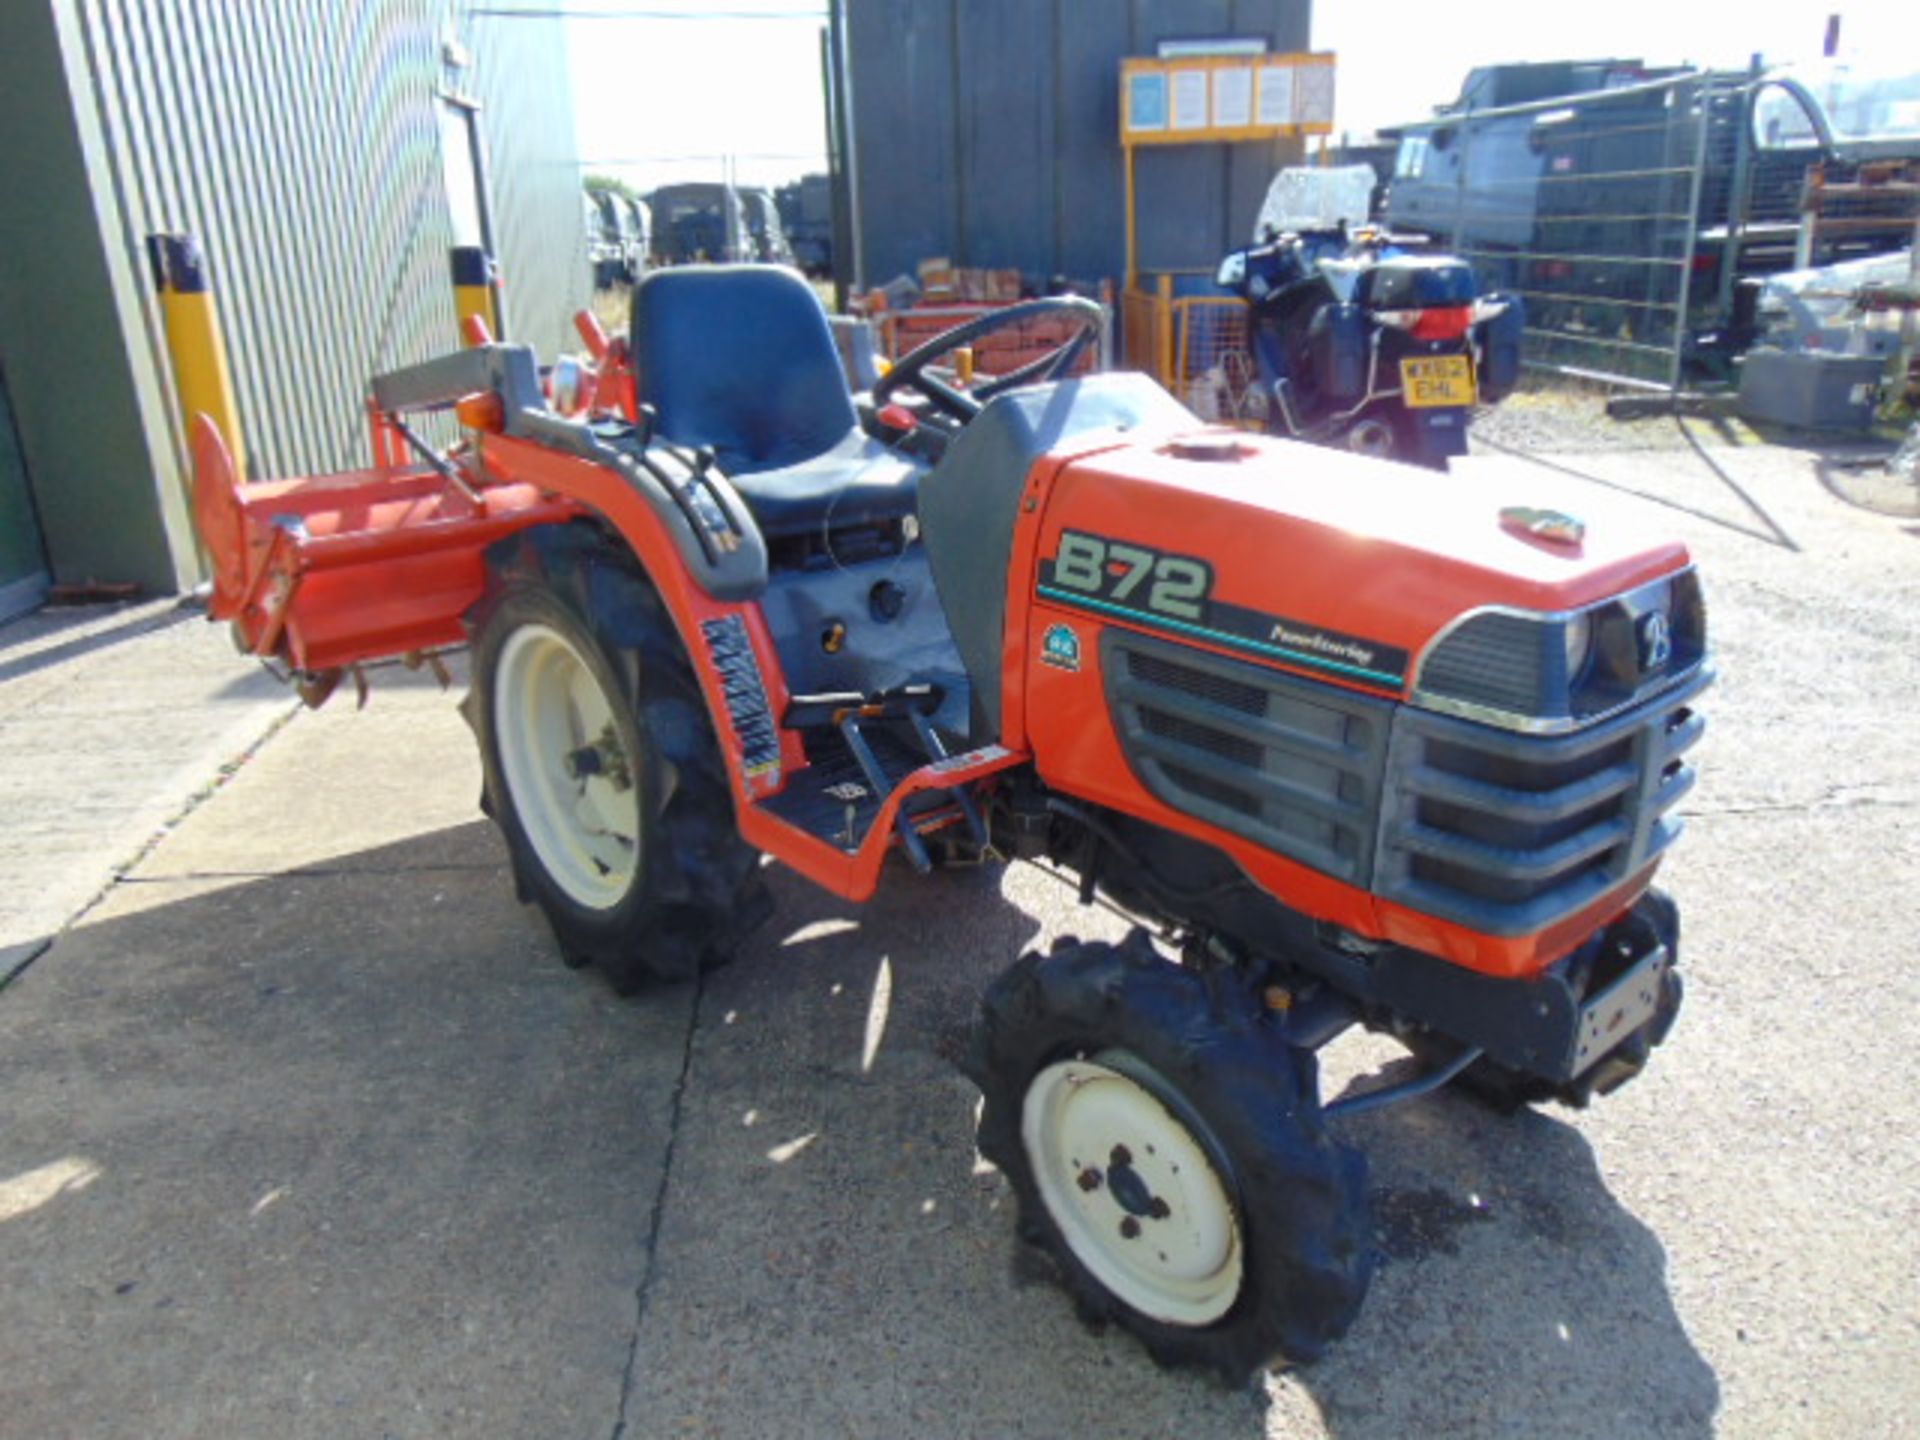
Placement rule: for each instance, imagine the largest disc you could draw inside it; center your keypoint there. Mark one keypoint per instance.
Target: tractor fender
(719, 543)
(695, 504)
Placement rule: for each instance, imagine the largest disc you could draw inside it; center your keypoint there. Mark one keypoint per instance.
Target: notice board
(1193, 98)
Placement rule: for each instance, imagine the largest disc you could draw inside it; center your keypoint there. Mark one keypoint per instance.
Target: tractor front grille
(1289, 763)
(1507, 833)
(1501, 831)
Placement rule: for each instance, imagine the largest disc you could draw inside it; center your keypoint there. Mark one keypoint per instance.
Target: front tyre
(601, 765)
(1166, 1146)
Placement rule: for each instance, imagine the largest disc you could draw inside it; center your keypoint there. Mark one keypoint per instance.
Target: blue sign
(1147, 100)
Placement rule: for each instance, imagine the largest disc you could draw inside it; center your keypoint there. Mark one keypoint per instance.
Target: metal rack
(1199, 346)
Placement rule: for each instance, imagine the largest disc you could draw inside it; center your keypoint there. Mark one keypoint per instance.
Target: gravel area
(1564, 416)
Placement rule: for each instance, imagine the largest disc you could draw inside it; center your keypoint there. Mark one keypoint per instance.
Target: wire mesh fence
(1592, 209)
(1200, 347)
(1626, 217)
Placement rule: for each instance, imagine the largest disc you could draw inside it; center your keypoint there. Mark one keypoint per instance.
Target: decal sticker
(1656, 640)
(966, 760)
(1060, 648)
(1132, 574)
(1555, 525)
(1174, 593)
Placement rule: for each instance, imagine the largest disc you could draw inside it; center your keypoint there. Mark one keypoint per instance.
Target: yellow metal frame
(1156, 326)
(474, 300)
(1131, 139)
(476, 291)
(1159, 330)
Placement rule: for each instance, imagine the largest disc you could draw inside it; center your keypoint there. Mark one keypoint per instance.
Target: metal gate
(1623, 217)
(1587, 207)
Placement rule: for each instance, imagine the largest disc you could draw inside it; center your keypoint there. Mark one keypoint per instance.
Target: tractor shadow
(1751, 518)
(750, 1205)
(1515, 1294)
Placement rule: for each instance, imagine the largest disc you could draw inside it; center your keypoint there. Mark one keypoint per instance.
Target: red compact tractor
(1355, 748)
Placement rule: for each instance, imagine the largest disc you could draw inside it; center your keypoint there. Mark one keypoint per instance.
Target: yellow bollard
(200, 373)
(473, 290)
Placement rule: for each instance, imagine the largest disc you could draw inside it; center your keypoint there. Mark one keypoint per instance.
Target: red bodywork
(385, 562)
(1361, 547)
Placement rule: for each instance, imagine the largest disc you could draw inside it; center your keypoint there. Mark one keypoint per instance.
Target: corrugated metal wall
(987, 131)
(301, 144)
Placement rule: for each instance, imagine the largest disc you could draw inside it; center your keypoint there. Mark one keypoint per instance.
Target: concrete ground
(309, 1133)
(114, 721)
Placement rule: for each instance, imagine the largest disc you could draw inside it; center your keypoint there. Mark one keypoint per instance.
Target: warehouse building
(324, 156)
(987, 132)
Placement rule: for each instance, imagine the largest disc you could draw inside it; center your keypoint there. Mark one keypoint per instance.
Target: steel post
(1702, 108)
(201, 377)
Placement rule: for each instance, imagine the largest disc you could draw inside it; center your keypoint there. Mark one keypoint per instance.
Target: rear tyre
(1166, 1146)
(1372, 436)
(601, 766)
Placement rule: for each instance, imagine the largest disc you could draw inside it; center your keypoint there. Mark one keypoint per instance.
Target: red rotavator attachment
(325, 572)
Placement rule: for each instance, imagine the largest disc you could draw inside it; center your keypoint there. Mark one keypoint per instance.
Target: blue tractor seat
(741, 358)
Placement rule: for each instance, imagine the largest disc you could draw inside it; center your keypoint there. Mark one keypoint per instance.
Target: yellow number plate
(1430, 381)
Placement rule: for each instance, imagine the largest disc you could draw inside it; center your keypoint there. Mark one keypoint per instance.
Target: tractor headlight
(1576, 639)
(1550, 672)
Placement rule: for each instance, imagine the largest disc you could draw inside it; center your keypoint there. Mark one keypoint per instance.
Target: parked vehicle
(766, 237)
(699, 222)
(1356, 750)
(605, 251)
(806, 213)
(1359, 342)
(638, 236)
(623, 235)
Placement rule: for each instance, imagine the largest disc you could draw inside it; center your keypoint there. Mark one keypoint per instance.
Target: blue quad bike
(1362, 344)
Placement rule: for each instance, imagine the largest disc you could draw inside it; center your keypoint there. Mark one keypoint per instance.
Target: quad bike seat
(971, 499)
(741, 358)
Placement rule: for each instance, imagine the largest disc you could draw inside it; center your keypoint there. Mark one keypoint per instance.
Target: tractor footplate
(835, 798)
(858, 761)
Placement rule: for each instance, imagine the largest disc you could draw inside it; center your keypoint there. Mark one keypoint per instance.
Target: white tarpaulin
(1815, 309)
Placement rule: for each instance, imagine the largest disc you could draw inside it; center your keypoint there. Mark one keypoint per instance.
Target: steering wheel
(911, 369)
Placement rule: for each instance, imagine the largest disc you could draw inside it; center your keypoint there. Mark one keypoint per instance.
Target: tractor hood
(1495, 597)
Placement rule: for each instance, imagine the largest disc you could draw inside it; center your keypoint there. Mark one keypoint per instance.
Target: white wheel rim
(1134, 1192)
(553, 721)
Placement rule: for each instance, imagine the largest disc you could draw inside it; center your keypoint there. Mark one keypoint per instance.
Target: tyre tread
(1308, 1254)
(701, 889)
